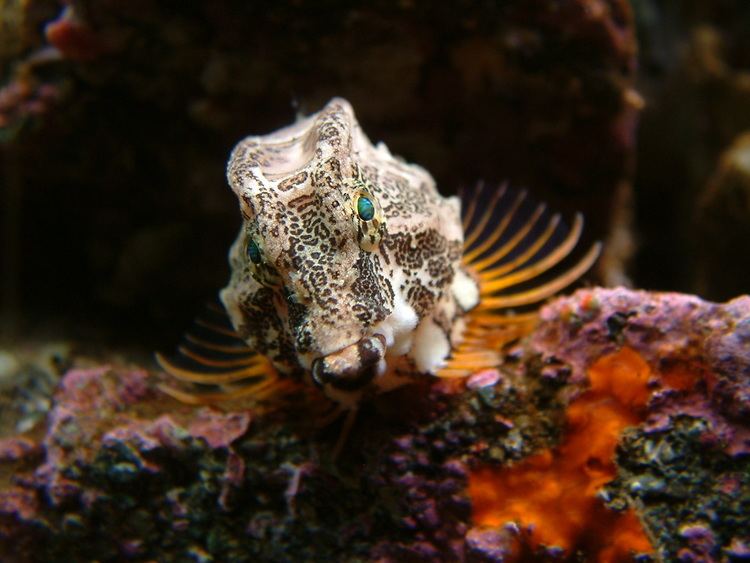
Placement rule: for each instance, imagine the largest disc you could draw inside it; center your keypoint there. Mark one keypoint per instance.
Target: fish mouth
(352, 367)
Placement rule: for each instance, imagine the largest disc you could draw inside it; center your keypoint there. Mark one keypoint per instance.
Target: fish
(352, 275)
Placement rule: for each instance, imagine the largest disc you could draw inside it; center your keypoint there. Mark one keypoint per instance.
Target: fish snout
(352, 367)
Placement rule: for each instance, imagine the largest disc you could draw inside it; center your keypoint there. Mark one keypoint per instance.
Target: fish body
(353, 274)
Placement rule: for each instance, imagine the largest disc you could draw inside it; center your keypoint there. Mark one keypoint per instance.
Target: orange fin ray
(259, 392)
(217, 347)
(511, 245)
(216, 328)
(246, 361)
(482, 319)
(545, 290)
(212, 353)
(495, 282)
(471, 255)
(473, 234)
(491, 271)
(468, 215)
(256, 369)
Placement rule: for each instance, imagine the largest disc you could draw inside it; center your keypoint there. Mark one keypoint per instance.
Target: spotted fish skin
(352, 274)
(355, 305)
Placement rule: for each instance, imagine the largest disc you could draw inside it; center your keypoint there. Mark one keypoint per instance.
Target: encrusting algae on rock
(553, 496)
(626, 409)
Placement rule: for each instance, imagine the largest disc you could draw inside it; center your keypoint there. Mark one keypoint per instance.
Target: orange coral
(552, 495)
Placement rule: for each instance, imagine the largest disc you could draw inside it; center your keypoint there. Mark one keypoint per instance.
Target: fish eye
(365, 208)
(368, 217)
(253, 251)
(263, 271)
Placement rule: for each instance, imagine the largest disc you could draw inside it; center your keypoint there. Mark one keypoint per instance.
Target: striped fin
(212, 363)
(520, 254)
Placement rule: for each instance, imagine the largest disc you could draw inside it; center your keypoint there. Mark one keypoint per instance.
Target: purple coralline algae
(122, 472)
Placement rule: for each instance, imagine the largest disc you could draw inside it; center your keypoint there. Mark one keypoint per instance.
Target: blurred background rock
(692, 213)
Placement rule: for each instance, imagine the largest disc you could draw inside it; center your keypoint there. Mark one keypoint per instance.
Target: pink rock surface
(136, 475)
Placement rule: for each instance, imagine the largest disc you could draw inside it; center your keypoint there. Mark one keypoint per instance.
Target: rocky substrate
(627, 411)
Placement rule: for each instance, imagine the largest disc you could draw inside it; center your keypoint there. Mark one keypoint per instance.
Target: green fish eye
(365, 208)
(253, 252)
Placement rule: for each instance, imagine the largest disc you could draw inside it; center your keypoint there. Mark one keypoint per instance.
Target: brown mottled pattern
(318, 289)
(294, 181)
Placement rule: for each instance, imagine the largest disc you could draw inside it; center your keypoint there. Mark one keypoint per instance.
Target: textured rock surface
(28, 377)
(122, 472)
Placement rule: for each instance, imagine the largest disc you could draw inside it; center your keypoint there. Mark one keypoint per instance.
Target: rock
(625, 409)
